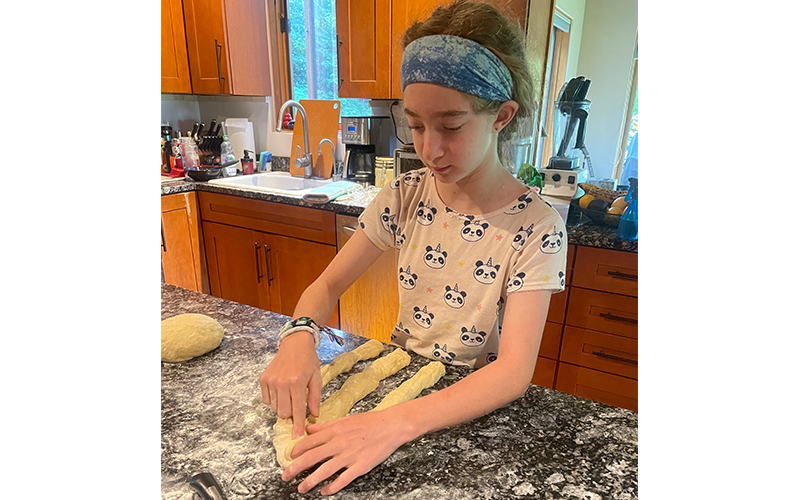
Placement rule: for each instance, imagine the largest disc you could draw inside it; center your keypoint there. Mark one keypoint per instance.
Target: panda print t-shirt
(455, 271)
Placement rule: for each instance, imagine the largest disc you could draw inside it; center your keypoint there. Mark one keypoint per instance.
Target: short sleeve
(542, 261)
(380, 219)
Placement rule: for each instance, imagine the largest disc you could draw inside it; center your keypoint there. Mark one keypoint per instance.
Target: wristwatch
(300, 324)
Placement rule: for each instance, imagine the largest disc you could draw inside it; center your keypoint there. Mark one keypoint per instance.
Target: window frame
(626, 127)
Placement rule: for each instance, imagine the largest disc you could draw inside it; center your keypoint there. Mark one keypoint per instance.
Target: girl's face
(450, 139)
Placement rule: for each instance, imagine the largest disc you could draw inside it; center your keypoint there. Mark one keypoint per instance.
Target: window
(627, 164)
(312, 54)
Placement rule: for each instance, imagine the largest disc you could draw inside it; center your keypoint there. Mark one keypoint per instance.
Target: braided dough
(355, 388)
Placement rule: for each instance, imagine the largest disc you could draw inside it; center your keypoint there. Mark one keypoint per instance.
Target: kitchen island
(545, 445)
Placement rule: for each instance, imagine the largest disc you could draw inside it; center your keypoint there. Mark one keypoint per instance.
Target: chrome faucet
(336, 175)
(303, 163)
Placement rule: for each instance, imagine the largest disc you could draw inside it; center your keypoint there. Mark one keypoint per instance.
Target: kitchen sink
(272, 182)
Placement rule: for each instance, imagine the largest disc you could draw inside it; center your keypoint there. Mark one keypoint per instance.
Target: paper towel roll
(241, 136)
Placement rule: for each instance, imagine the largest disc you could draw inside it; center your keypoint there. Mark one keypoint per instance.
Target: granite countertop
(546, 445)
(580, 229)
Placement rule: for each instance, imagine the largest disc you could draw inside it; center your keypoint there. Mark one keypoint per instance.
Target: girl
(479, 251)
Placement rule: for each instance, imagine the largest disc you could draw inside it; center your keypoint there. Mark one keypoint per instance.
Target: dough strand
(426, 377)
(340, 402)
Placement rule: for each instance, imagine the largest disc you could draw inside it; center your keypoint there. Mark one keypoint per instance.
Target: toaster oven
(406, 160)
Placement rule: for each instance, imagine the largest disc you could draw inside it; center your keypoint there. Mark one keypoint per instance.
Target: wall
(608, 42)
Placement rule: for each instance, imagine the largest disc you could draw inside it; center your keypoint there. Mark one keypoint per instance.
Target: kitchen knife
(193, 134)
(199, 132)
(207, 486)
(211, 126)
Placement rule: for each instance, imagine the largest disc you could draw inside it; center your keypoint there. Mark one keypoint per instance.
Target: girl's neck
(488, 188)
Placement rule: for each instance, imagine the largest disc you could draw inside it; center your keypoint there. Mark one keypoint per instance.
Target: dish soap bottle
(629, 222)
(247, 163)
(226, 156)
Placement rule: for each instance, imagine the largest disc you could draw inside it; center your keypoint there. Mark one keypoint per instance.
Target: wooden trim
(279, 83)
(623, 137)
(539, 28)
(558, 76)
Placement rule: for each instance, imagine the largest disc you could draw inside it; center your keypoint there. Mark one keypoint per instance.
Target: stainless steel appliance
(564, 172)
(364, 137)
(406, 159)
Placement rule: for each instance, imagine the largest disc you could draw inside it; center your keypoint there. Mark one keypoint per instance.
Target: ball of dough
(187, 336)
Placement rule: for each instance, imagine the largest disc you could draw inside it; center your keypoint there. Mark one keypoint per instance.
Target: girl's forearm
(317, 302)
(481, 392)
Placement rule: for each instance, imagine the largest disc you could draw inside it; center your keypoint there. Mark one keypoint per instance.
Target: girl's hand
(356, 443)
(291, 378)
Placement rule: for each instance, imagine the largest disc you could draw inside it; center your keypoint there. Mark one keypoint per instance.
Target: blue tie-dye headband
(457, 63)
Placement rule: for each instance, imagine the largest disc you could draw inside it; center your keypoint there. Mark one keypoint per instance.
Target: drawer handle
(258, 265)
(624, 276)
(349, 229)
(601, 354)
(614, 317)
(163, 242)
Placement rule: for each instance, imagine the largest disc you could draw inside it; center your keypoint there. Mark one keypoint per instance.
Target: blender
(564, 170)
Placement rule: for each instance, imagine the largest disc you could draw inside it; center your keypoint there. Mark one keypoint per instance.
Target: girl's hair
(483, 23)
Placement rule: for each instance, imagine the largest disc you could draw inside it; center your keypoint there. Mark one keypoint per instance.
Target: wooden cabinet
(598, 358)
(223, 43)
(265, 254)
(175, 75)
(369, 307)
(181, 246)
(370, 41)
(544, 373)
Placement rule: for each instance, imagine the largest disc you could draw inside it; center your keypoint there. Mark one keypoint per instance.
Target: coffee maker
(364, 137)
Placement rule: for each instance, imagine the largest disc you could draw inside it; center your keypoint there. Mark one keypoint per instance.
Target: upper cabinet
(222, 42)
(174, 59)
(370, 36)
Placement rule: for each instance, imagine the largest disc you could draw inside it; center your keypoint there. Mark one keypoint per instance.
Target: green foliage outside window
(323, 37)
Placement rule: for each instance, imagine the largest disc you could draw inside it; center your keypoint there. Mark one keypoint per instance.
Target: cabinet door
(181, 252)
(236, 265)
(363, 28)
(369, 307)
(248, 53)
(544, 374)
(407, 12)
(206, 44)
(175, 75)
(598, 386)
(294, 264)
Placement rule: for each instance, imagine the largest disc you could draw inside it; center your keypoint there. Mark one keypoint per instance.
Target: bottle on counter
(266, 162)
(247, 163)
(176, 158)
(628, 229)
(191, 157)
(226, 156)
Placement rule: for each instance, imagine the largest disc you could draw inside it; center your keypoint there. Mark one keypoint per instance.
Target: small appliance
(364, 138)
(406, 159)
(564, 172)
